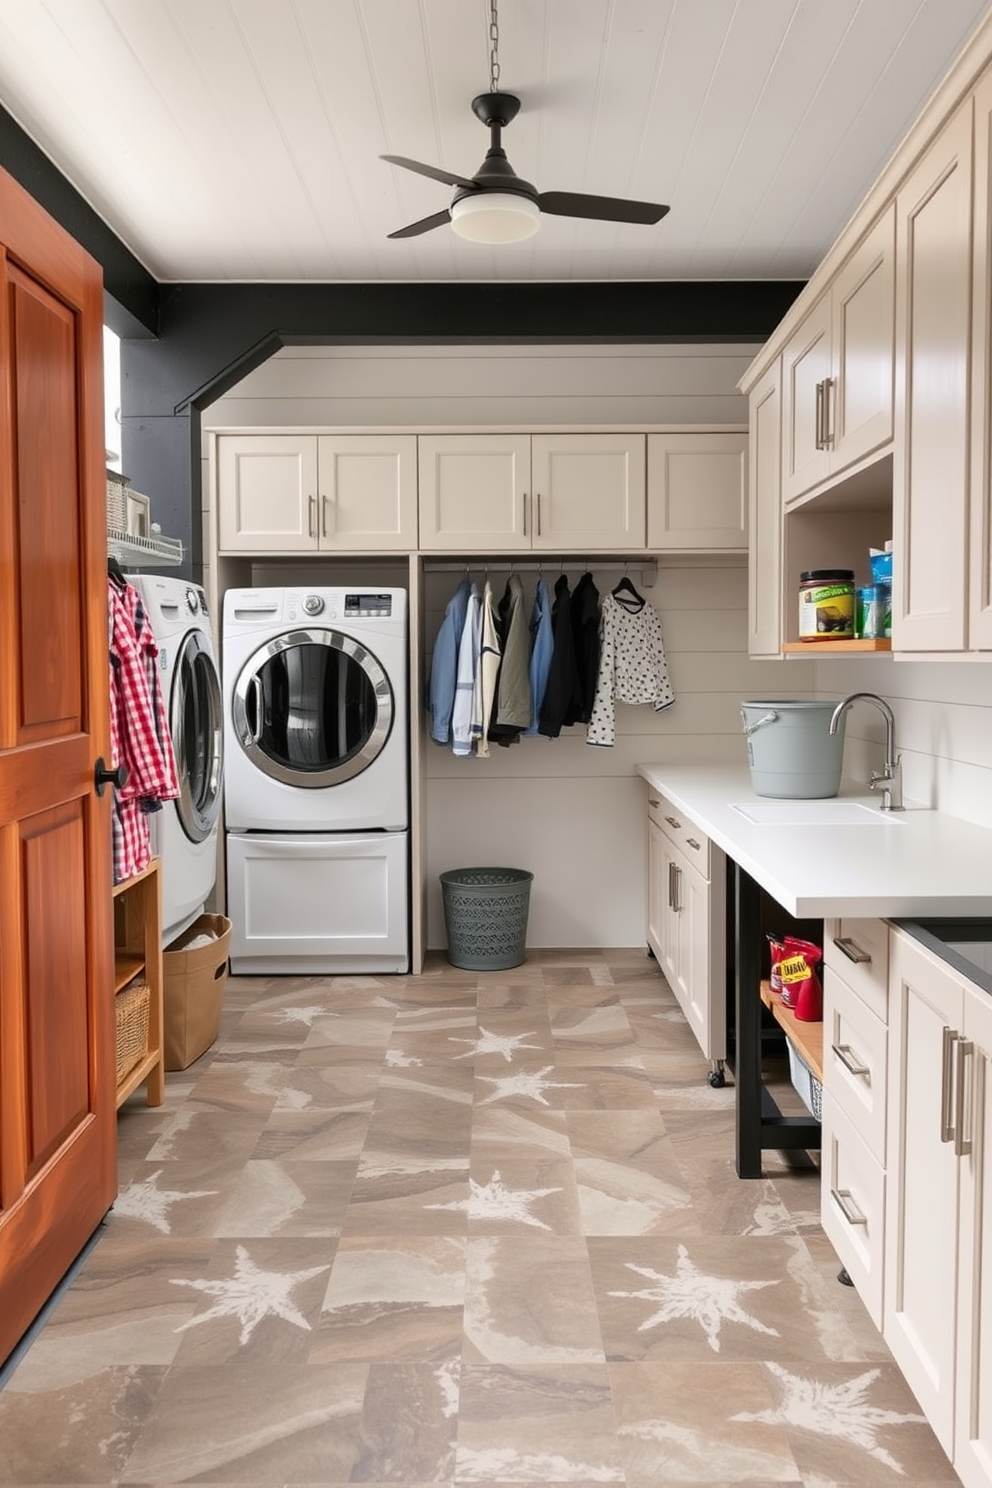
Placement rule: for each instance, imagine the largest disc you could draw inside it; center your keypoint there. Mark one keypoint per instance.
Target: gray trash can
(485, 916)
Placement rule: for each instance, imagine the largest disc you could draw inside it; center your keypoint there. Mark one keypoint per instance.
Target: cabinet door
(973, 1427)
(589, 492)
(368, 491)
(980, 544)
(657, 892)
(931, 450)
(852, 1204)
(859, 415)
(926, 1008)
(699, 917)
(806, 368)
(474, 491)
(697, 492)
(267, 493)
(765, 579)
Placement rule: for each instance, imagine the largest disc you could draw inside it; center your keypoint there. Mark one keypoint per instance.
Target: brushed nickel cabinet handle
(538, 514)
(671, 885)
(850, 1061)
(844, 1200)
(653, 801)
(828, 412)
(525, 500)
(673, 823)
(948, 1038)
(962, 1143)
(691, 842)
(851, 951)
(325, 504)
(818, 421)
(311, 516)
(677, 906)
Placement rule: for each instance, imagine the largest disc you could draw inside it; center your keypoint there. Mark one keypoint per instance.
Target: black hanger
(116, 573)
(626, 587)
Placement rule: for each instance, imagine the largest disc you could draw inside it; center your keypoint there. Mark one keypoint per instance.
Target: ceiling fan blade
(435, 173)
(414, 229)
(601, 208)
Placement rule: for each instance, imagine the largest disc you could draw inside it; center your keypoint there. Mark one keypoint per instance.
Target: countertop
(918, 863)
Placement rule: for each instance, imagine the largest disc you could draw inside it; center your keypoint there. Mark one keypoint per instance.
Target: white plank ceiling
(239, 139)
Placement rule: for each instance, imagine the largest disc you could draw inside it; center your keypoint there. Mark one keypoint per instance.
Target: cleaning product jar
(826, 604)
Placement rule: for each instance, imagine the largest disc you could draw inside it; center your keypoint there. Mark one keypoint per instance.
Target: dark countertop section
(944, 937)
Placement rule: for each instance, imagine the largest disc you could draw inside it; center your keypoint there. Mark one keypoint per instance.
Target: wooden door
(57, 1067)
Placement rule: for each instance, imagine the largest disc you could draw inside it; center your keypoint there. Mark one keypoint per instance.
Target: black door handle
(103, 777)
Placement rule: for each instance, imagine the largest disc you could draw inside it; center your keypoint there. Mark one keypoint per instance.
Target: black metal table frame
(760, 1125)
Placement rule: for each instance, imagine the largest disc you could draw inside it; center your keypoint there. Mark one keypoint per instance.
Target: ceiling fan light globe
(495, 217)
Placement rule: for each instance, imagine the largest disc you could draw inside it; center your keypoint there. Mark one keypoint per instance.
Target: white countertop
(919, 862)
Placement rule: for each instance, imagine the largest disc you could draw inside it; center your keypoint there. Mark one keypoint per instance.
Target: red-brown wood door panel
(57, 1066)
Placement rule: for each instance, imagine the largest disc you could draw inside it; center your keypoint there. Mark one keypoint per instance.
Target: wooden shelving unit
(137, 952)
(834, 648)
(807, 1037)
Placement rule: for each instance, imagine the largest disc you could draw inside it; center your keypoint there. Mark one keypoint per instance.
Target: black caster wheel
(716, 1079)
(843, 1277)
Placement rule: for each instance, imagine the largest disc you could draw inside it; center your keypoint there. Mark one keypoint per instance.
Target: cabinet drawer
(852, 1205)
(681, 832)
(855, 1060)
(858, 950)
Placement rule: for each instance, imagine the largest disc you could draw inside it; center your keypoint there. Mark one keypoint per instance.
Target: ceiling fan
(498, 206)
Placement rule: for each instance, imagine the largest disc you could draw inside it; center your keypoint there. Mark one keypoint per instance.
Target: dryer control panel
(366, 604)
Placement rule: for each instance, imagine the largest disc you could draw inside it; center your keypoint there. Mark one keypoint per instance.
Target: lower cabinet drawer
(858, 950)
(855, 1061)
(852, 1205)
(680, 831)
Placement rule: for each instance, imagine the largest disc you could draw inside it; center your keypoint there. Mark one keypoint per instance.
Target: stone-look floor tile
(172, 1198)
(287, 1198)
(596, 1082)
(389, 1200)
(196, 1132)
(81, 1431)
(394, 1298)
(502, 1131)
(524, 1087)
(529, 1300)
(315, 1135)
(523, 1195)
(409, 1422)
(693, 1422)
(536, 1425)
(249, 1424)
(861, 1424)
(352, 1029)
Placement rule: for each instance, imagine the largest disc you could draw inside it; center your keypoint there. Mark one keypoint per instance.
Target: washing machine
(315, 709)
(184, 832)
(316, 788)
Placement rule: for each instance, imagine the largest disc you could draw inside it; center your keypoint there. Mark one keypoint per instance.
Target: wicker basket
(116, 501)
(485, 916)
(132, 1006)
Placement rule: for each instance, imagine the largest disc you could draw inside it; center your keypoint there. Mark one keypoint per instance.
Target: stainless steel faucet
(889, 779)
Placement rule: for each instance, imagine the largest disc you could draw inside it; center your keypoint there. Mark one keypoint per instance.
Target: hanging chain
(493, 48)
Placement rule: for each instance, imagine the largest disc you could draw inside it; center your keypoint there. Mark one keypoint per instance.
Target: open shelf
(834, 648)
(138, 952)
(807, 1037)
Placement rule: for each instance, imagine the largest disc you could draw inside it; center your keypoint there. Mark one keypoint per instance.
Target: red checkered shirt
(139, 730)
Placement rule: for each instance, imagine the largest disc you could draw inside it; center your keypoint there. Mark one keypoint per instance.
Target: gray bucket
(790, 749)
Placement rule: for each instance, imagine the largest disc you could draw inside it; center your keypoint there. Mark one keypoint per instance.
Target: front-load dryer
(315, 710)
(184, 832)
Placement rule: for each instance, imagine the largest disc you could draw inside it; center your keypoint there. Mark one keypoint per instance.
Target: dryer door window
(312, 708)
(196, 725)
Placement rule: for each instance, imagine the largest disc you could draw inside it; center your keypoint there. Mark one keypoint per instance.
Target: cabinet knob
(103, 776)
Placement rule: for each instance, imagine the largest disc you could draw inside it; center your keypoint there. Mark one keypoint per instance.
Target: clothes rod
(645, 568)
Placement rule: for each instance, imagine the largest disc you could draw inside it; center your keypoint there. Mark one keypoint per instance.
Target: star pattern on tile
(528, 1084)
(508, 1465)
(396, 1059)
(305, 1015)
(250, 1295)
(709, 1300)
(148, 1202)
(493, 1200)
(833, 1410)
(506, 1044)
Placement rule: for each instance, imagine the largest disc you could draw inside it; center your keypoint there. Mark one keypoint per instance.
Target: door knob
(103, 777)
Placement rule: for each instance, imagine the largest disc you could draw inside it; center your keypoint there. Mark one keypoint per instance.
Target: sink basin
(819, 813)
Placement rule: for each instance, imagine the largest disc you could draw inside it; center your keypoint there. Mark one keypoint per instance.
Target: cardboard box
(193, 990)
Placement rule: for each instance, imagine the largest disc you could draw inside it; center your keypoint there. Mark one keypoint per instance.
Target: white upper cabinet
(697, 492)
(764, 577)
(838, 370)
(980, 524)
(309, 493)
(543, 492)
(931, 464)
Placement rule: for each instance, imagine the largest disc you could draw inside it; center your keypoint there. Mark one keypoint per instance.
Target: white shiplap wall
(571, 813)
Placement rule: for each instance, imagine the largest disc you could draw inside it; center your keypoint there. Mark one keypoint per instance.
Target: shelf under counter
(836, 648)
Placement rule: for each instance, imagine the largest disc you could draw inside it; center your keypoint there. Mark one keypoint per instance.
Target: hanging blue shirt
(541, 648)
(444, 664)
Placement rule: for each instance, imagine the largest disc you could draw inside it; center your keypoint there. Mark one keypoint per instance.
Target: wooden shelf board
(807, 1037)
(834, 648)
(143, 1070)
(127, 965)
